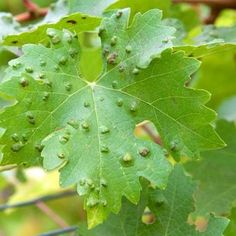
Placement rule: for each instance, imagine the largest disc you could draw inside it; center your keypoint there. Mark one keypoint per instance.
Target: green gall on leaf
(111, 59)
(39, 147)
(68, 86)
(114, 40)
(63, 60)
(73, 123)
(104, 129)
(82, 182)
(144, 152)
(61, 155)
(103, 183)
(119, 102)
(119, 14)
(89, 182)
(64, 139)
(29, 69)
(92, 202)
(133, 107)
(85, 125)
(127, 158)
(104, 149)
(16, 147)
(24, 82)
(56, 39)
(114, 84)
(86, 104)
(15, 137)
(45, 96)
(51, 33)
(128, 49)
(135, 71)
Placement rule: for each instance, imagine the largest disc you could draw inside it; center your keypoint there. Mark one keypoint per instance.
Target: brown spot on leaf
(73, 22)
(14, 42)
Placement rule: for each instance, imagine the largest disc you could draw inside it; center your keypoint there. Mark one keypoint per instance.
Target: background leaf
(216, 192)
(170, 207)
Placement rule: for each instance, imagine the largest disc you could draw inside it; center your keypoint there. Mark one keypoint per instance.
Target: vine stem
(60, 231)
(37, 200)
(156, 138)
(8, 167)
(213, 3)
(51, 214)
(33, 12)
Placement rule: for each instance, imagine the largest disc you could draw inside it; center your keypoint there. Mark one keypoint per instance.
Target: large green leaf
(91, 7)
(216, 173)
(171, 208)
(90, 126)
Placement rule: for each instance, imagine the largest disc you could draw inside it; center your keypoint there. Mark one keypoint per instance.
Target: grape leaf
(204, 44)
(231, 229)
(197, 46)
(212, 33)
(218, 76)
(142, 6)
(180, 33)
(8, 25)
(217, 190)
(11, 27)
(226, 18)
(171, 214)
(58, 17)
(186, 14)
(56, 11)
(227, 109)
(90, 126)
(214, 40)
(91, 7)
(77, 22)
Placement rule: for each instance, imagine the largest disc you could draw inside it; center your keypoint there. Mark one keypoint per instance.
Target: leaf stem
(40, 199)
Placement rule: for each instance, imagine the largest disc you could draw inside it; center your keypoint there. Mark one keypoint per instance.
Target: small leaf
(38, 34)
